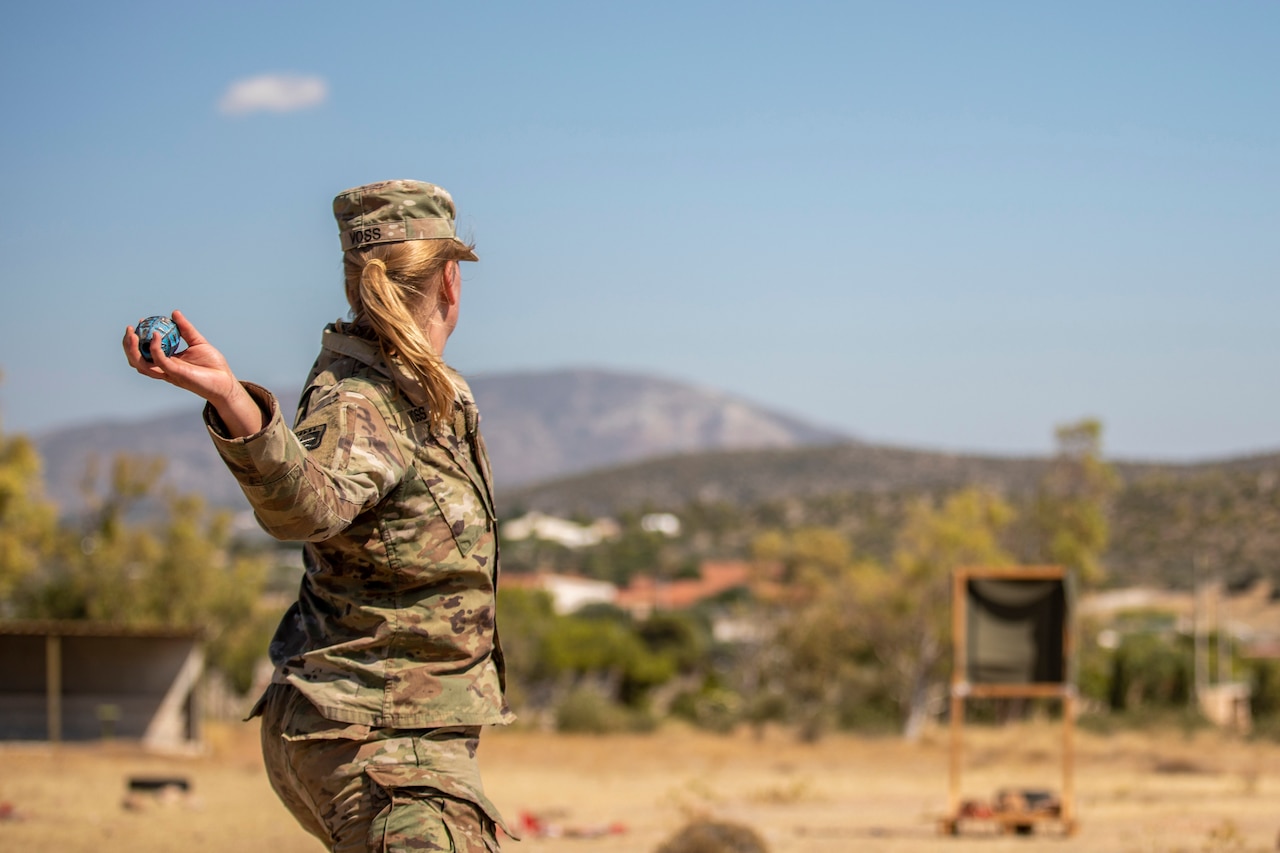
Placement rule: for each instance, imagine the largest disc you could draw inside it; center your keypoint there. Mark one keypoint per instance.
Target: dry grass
(1136, 793)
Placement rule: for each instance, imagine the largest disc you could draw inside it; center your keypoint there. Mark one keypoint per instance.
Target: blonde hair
(385, 283)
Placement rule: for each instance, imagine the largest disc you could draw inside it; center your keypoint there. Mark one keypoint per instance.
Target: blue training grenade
(169, 337)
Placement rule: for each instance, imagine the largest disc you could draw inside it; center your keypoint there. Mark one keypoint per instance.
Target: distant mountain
(541, 426)
(538, 426)
(746, 477)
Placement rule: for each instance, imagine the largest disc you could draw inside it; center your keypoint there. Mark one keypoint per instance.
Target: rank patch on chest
(311, 436)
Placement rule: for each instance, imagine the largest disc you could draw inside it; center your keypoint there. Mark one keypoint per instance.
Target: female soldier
(388, 663)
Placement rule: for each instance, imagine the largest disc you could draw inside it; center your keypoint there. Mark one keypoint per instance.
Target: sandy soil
(1135, 793)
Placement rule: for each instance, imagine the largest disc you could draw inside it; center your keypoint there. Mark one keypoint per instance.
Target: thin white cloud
(273, 93)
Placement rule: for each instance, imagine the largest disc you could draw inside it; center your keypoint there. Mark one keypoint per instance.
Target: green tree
(905, 611)
(607, 653)
(1150, 671)
(526, 616)
(584, 661)
(814, 653)
(1074, 502)
(1264, 695)
(678, 636)
(27, 522)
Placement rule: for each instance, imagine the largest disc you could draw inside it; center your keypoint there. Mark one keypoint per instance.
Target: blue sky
(933, 224)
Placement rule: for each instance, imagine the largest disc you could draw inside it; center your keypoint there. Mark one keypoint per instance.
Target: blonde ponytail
(384, 283)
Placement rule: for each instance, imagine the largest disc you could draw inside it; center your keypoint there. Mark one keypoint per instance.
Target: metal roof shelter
(81, 680)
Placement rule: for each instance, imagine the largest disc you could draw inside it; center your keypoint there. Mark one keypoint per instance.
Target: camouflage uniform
(361, 790)
(389, 662)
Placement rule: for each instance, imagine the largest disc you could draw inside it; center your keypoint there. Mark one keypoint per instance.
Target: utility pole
(1200, 654)
(1224, 635)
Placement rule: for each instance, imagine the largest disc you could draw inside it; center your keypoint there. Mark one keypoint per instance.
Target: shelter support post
(53, 686)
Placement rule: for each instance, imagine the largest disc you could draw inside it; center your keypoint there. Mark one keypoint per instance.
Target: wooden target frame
(964, 688)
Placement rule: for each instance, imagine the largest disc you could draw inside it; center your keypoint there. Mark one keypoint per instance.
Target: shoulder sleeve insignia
(311, 436)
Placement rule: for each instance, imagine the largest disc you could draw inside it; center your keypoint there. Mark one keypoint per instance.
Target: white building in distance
(568, 593)
(570, 534)
(661, 522)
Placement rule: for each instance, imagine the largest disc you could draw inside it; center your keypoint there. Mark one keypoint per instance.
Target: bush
(715, 709)
(1145, 718)
(1151, 670)
(1266, 728)
(1264, 680)
(868, 715)
(708, 836)
(587, 710)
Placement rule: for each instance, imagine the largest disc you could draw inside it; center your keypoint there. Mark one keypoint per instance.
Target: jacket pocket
(415, 804)
(460, 507)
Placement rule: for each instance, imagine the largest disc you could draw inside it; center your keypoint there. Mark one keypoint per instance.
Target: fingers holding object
(133, 351)
(189, 332)
(146, 366)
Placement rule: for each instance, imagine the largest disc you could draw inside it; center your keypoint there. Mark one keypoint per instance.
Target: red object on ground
(535, 827)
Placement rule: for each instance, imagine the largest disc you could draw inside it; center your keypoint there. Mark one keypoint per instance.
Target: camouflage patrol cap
(395, 211)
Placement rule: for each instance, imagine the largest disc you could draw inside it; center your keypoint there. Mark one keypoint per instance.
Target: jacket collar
(347, 340)
(355, 342)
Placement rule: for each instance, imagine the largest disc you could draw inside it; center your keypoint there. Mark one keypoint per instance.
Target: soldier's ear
(452, 285)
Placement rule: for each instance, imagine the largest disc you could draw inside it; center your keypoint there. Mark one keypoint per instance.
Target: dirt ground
(1135, 793)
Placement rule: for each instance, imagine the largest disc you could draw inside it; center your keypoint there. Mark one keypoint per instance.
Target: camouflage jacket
(394, 626)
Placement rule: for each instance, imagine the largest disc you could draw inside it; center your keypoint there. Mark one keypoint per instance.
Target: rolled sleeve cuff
(263, 456)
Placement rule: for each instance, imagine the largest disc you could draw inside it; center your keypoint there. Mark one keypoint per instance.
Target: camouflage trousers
(363, 790)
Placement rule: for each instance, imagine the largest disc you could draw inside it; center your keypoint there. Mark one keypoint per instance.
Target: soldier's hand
(200, 368)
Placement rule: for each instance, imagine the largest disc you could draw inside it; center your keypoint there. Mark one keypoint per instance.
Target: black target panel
(1016, 631)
